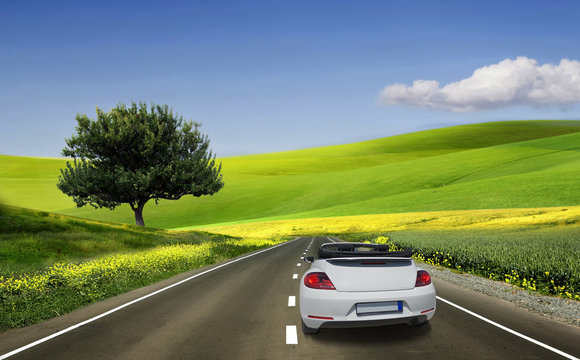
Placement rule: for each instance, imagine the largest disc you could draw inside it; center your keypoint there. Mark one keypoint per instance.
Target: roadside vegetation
(53, 264)
(544, 261)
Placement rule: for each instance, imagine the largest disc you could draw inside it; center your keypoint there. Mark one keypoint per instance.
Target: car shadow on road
(370, 335)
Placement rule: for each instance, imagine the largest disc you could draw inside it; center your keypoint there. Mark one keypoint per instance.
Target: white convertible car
(359, 284)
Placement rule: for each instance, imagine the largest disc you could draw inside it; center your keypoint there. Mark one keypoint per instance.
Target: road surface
(245, 310)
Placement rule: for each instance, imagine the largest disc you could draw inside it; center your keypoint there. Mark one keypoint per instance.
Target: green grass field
(483, 166)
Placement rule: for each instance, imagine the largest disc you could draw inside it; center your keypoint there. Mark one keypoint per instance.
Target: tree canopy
(135, 153)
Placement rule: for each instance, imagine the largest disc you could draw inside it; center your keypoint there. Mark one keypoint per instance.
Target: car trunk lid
(371, 274)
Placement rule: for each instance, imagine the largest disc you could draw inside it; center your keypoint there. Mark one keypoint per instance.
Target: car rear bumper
(368, 323)
(331, 308)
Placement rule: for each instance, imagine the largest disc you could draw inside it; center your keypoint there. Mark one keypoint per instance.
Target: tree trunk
(139, 213)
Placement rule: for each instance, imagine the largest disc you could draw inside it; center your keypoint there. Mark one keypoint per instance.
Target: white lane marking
(302, 258)
(548, 347)
(298, 264)
(291, 335)
(330, 239)
(291, 301)
(295, 276)
(70, 328)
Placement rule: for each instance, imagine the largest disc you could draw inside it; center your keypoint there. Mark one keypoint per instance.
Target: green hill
(489, 165)
(31, 183)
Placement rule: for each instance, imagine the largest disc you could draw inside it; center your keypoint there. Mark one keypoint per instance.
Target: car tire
(308, 330)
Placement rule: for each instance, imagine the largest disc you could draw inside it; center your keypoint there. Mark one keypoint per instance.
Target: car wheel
(308, 330)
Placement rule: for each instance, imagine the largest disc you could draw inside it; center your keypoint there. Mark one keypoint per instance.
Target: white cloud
(511, 82)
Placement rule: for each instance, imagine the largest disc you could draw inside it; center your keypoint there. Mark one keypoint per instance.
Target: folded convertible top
(348, 249)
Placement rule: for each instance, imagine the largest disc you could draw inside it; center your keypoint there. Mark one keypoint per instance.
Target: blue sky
(264, 76)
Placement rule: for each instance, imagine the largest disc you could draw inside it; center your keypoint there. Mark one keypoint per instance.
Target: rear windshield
(335, 250)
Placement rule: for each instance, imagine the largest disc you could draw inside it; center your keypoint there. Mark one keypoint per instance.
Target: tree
(135, 154)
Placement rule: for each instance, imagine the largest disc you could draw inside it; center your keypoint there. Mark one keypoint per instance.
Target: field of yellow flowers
(63, 286)
(429, 220)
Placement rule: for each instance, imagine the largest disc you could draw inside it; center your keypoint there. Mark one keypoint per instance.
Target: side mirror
(309, 259)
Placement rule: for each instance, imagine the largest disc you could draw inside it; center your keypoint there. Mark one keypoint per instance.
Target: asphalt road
(241, 311)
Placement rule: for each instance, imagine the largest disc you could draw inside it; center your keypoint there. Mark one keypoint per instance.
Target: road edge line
(513, 332)
(120, 307)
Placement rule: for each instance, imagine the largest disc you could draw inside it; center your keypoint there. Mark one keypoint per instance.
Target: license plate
(379, 307)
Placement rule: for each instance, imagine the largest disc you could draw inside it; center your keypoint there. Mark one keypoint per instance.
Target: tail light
(318, 280)
(423, 278)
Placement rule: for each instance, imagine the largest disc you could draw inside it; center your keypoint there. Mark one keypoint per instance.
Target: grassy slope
(32, 240)
(490, 165)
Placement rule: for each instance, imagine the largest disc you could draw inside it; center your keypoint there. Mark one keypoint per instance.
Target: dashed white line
(295, 276)
(298, 264)
(547, 347)
(291, 301)
(291, 335)
(330, 239)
